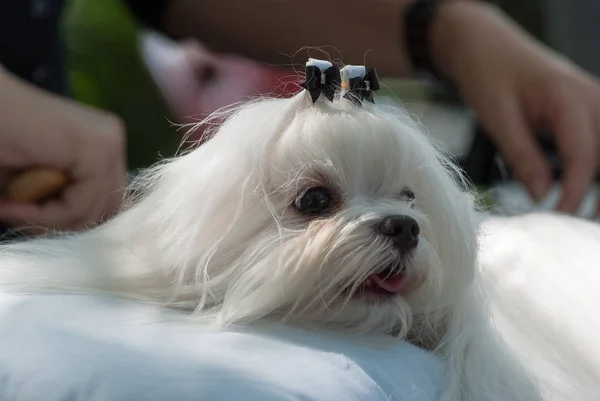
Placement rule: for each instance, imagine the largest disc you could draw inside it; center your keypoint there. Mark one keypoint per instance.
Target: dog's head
(325, 214)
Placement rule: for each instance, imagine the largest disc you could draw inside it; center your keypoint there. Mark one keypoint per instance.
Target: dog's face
(351, 221)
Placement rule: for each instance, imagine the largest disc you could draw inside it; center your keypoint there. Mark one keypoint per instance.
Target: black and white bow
(363, 88)
(322, 81)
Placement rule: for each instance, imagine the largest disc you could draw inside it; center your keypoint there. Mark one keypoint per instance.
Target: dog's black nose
(403, 230)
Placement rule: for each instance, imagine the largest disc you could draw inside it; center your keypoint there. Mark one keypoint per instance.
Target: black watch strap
(418, 17)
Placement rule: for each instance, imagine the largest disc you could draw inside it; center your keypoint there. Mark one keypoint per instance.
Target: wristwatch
(418, 17)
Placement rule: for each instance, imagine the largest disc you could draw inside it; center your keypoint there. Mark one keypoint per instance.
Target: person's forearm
(460, 27)
(360, 32)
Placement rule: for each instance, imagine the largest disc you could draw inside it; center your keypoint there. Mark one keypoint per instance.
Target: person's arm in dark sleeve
(274, 30)
(149, 12)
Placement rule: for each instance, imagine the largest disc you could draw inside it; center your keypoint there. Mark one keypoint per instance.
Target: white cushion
(66, 348)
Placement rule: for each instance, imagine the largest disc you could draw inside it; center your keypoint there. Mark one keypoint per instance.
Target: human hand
(518, 88)
(38, 129)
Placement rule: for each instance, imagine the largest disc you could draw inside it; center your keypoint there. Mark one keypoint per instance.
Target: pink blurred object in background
(196, 82)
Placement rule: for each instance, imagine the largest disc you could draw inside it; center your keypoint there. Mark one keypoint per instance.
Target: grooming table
(66, 348)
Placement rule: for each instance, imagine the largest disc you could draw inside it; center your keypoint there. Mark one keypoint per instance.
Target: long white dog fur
(542, 275)
(216, 231)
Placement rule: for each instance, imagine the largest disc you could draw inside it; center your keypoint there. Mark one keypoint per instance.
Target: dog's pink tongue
(390, 284)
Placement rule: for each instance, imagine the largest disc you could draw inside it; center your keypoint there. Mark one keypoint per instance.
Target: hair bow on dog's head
(358, 83)
(322, 77)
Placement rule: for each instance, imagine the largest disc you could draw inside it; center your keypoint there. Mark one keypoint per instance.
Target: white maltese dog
(322, 210)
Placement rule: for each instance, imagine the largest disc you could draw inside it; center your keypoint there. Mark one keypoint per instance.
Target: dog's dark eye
(314, 201)
(407, 194)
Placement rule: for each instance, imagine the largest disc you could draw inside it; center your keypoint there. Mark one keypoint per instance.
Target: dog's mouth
(388, 281)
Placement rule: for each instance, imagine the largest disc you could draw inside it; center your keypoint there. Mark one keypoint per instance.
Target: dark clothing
(31, 45)
(149, 12)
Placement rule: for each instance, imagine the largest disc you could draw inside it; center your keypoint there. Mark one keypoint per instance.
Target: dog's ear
(199, 198)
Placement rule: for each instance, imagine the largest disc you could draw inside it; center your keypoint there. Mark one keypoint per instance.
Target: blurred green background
(106, 71)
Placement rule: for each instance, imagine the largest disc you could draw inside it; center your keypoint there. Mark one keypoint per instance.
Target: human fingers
(507, 128)
(77, 208)
(577, 144)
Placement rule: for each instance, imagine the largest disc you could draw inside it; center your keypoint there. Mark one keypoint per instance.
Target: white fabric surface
(66, 348)
(512, 199)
